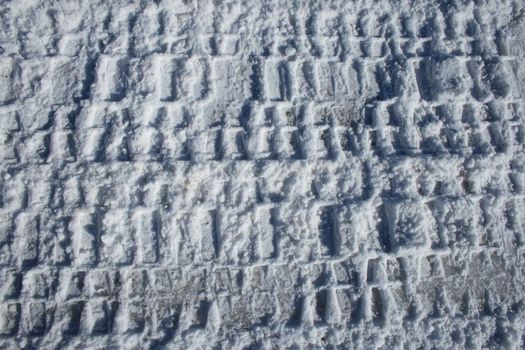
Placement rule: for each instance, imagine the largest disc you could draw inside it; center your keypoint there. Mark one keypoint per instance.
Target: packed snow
(292, 174)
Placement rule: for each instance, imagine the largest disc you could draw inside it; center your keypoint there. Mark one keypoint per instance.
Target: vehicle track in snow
(275, 174)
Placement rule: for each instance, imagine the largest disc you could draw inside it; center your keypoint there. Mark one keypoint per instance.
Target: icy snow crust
(262, 174)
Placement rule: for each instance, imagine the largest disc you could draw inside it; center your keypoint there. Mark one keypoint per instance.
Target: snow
(262, 174)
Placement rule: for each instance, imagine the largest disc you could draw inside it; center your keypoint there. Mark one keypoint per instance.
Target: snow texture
(262, 174)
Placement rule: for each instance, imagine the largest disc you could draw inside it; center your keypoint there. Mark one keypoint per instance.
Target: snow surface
(262, 174)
